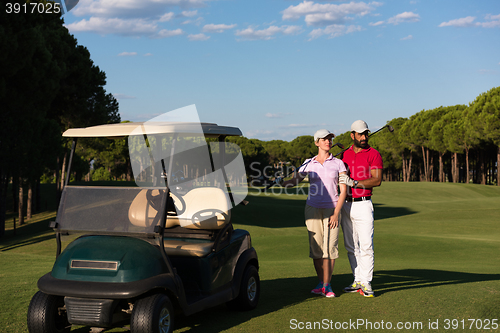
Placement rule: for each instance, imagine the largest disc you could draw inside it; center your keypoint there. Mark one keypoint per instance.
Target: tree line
(48, 83)
(459, 143)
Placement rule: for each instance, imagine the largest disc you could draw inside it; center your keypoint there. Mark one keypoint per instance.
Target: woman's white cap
(322, 133)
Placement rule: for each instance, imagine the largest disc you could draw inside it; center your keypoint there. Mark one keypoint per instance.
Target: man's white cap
(359, 126)
(322, 133)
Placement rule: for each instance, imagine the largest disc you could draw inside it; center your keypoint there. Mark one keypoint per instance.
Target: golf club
(338, 144)
(389, 127)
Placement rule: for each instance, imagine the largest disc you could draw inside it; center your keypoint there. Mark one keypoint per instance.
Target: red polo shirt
(359, 166)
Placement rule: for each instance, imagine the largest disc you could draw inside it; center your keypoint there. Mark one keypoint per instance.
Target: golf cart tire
(153, 314)
(249, 293)
(45, 314)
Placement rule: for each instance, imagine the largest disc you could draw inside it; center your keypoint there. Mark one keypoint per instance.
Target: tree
(47, 83)
(484, 120)
(391, 148)
(255, 157)
(277, 150)
(454, 138)
(301, 148)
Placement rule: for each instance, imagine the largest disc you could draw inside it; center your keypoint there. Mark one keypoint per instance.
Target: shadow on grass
(382, 211)
(288, 211)
(389, 281)
(283, 293)
(30, 233)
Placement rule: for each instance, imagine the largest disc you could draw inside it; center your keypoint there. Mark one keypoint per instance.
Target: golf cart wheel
(249, 290)
(46, 314)
(153, 314)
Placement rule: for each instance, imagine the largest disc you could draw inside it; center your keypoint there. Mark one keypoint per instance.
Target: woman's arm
(334, 219)
(297, 178)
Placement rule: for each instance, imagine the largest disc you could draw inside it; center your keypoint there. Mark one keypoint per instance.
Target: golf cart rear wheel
(46, 314)
(153, 314)
(248, 296)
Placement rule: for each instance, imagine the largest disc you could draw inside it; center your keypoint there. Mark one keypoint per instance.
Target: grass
(437, 260)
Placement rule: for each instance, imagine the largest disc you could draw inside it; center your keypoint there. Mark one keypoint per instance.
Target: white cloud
(131, 8)
(404, 18)
(334, 30)
(493, 21)
(217, 27)
(298, 126)
(198, 37)
(164, 33)
(148, 54)
(122, 27)
(123, 96)
(488, 72)
(276, 115)
(127, 54)
(407, 37)
(104, 26)
(461, 22)
(376, 23)
(326, 14)
(189, 13)
(265, 34)
(167, 17)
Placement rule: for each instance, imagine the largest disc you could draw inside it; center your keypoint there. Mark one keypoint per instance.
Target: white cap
(359, 126)
(322, 133)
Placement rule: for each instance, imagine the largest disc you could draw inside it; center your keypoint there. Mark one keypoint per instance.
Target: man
(364, 165)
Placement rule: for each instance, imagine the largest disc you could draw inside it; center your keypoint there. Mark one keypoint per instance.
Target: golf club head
(390, 128)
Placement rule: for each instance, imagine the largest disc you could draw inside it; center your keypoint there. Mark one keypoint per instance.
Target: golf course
(437, 266)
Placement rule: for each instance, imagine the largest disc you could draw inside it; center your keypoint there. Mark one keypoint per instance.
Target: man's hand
(345, 179)
(279, 181)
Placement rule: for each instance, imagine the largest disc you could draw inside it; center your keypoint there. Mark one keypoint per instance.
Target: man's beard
(361, 144)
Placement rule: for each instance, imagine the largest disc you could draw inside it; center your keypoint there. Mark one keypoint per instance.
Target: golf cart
(145, 253)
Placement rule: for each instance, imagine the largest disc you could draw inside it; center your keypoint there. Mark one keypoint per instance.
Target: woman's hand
(333, 222)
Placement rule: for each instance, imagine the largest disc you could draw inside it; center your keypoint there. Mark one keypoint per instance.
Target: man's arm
(374, 181)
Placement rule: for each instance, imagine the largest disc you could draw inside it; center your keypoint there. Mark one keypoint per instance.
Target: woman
(323, 208)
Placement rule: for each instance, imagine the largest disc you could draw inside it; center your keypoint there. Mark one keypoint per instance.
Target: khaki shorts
(323, 241)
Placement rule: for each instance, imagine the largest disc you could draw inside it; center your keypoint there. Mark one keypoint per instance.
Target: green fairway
(437, 265)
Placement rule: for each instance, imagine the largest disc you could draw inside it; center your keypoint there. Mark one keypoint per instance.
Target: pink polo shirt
(360, 165)
(323, 180)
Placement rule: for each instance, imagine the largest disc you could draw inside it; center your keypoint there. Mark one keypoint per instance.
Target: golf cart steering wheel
(206, 214)
(156, 201)
(176, 196)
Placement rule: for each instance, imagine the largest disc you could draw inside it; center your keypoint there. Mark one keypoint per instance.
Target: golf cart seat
(206, 209)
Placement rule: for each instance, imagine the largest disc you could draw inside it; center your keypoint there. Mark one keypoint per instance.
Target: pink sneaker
(327, 291)
(318, 290)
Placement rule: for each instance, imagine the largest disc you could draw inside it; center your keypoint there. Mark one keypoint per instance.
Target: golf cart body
(162, 247)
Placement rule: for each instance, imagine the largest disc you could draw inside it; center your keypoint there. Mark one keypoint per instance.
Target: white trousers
(358, 225)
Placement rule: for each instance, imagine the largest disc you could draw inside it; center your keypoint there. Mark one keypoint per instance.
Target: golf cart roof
(141, 128)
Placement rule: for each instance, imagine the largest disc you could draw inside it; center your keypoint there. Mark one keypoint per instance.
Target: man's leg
(350, 239)
(363, 225)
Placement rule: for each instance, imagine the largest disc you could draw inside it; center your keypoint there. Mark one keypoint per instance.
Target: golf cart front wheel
(249, 290)
(47, 314)
(153, 314)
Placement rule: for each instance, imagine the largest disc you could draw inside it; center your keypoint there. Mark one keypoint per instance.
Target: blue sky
(278, 69)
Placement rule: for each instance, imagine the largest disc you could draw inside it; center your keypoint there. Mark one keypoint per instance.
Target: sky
(278, 69)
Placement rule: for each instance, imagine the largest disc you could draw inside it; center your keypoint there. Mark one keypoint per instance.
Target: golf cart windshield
(203, 175)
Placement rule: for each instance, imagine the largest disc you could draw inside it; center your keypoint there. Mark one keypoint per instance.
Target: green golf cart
(165, 245)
